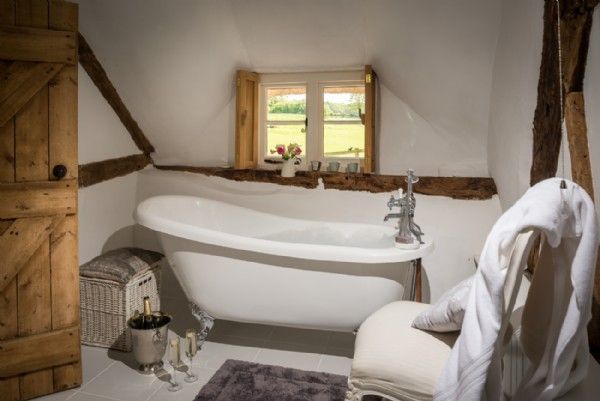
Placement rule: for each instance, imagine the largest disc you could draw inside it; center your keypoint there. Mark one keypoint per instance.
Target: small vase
(288, 169)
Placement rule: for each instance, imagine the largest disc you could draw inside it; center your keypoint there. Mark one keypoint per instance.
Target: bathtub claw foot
(206, 320)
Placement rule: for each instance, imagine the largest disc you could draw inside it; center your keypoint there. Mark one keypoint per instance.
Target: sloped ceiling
(173, 62)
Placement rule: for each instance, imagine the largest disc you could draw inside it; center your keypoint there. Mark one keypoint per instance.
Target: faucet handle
(392, 202)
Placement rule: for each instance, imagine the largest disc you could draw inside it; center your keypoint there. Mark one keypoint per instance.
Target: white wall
(458, 227)
(105, 209)
(173, 62)
(514, 97)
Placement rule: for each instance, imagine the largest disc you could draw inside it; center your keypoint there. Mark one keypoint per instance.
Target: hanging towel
(554, 333)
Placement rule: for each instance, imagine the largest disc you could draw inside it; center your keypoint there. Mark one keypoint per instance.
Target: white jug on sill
(288, 169)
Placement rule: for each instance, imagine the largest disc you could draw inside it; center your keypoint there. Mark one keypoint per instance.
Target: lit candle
(192, 346)
(174, 357)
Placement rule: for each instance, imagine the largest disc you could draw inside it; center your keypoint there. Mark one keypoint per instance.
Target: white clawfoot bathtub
(239, 264)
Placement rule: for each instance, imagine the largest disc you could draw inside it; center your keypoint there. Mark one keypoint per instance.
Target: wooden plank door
(39, 274)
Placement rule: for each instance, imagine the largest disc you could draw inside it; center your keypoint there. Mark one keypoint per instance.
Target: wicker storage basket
(107, 305)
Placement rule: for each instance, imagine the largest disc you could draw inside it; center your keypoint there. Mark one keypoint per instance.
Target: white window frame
(315, 82)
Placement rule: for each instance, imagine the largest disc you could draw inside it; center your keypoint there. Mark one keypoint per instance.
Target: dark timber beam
(576, 23)
(453, 187)
(92, 66)
(575, 26)
(96, 172)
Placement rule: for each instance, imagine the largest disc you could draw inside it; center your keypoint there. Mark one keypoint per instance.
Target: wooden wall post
(576, 18)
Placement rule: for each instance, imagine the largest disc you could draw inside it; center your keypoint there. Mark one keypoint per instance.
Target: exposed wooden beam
(581, 172)
(34, 44)
(93, 173)
(92, 66)
(576, 22)
(576, 18)
(453, 187)
(581, 168)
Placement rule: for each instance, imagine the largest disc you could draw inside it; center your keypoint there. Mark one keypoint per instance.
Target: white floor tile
(89, 397)
(289, 359)
(213, 355)
(122, 382)
(335, 364)
(94, 360)
(61, 396)
(188, 391)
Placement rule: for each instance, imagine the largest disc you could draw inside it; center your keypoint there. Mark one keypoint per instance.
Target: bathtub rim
(319, 252)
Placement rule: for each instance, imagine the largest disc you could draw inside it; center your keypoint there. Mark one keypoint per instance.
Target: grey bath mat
(246, 381)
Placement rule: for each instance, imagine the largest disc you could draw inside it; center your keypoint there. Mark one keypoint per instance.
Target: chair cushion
(391, 357)
(448, 313)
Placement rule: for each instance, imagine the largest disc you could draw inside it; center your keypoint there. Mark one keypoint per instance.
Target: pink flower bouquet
(291, 151)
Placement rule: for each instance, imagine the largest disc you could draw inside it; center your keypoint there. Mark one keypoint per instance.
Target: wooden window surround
(322, 130)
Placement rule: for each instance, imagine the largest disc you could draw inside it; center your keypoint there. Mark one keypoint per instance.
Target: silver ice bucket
(149, 345)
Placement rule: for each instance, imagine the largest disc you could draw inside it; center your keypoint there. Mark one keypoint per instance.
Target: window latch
(306, 122)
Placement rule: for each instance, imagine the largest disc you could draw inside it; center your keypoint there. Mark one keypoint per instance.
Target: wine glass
(175, 361)
(191, 349)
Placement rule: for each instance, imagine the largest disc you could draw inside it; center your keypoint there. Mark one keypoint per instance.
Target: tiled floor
(111, 375)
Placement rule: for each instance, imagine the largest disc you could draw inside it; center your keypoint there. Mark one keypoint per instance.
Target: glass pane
(343, 103)
(286, 104)
(344, 140)
(285, 134)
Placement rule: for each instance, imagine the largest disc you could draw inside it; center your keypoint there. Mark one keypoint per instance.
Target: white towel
(567, 220)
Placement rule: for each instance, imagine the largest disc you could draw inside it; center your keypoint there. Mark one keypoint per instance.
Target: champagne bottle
(148, 321)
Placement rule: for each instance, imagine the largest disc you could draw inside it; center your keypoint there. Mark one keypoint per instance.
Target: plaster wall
(105, 209)
(174, 63)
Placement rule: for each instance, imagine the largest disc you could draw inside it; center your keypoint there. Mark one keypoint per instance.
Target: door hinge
(368, 78)
(238, 82)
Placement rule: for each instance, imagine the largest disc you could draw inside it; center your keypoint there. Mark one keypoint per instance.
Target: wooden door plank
(20, 242)
(23, 354)
(34, 315)
(21, 81)
(32, 13)
(32, 44)
(31, 139)
(7, 12)
(7, 152)
(64, 264)
(31, 164)
(63, 15)
(62, 116)
(9, 388)
(36, 199)
(64, 259)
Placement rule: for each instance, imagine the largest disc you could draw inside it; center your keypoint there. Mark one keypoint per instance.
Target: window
(343, 129)
(330, 115)
(286, 120)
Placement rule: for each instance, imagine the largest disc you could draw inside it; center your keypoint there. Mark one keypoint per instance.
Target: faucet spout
(392, 216)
